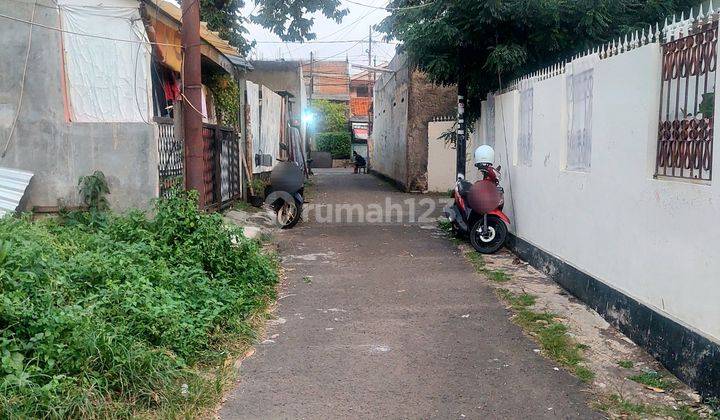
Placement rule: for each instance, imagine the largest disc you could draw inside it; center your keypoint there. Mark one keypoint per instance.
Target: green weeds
(551, 334)
(123, 316)
(714, 404)
(627, 364)
(478, 262)
(619, 407)
(652, 379)
(445, 225)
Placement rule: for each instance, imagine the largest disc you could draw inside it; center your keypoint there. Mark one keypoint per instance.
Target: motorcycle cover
(286, 176)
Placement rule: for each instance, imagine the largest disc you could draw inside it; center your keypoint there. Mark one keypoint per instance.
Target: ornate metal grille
(230, 187)
(685, 133)
(171, 164)
(212, 197)
(222, 165)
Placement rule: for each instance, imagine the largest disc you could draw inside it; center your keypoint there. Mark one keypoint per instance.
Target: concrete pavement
(389, 321)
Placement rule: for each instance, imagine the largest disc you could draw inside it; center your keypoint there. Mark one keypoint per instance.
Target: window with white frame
(524, 140)
(490, 121)
(579, 140)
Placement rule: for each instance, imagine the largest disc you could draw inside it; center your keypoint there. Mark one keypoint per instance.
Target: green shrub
(336, 142)
(331, 116)
(113, 319)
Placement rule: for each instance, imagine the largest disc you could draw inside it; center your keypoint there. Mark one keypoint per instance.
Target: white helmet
(484, 155)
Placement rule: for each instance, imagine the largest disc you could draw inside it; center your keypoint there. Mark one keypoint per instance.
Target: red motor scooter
(477, 210)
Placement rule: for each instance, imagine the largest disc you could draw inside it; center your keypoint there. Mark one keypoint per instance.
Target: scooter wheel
(493, 239)
(289, 213)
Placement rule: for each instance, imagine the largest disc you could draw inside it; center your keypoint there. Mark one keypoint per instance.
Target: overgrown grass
(652, 379)
(627, 364)
(551, 334)
(445, 225)
(478, 262)
(619, 407)
(714, 404)
(245, 207)
(107, 316)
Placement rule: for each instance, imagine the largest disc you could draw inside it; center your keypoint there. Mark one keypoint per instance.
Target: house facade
(101, 90)
(284, 83)
(328, 80)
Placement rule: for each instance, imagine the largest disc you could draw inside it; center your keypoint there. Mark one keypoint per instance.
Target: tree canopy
(331, 116)
(289, 19)
(498, 40)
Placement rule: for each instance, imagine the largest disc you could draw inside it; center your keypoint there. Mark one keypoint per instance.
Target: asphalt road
(387, 320)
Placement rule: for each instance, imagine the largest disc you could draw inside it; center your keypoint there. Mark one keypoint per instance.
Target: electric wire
(332, 56)
(334, 41)
(52, 28)
(22, 83)
(389, 9)
(342, 28)
(507, 157)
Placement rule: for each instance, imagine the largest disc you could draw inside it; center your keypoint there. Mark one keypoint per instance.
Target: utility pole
(192, 95)
(370, 79)
(369, 58)
(308, 129)
(312, 75)
(460, 143)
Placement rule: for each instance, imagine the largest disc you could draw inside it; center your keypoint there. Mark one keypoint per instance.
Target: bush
(114, 318)
(332, 116)
(336, 143)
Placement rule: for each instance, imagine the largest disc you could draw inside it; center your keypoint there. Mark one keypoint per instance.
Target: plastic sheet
(107, 80)
(270, 127)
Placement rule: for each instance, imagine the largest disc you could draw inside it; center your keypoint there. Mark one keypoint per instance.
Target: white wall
(656, 240)
(389, 136)
(441, 157)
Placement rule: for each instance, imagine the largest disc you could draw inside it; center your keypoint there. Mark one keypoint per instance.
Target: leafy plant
(290, 20)
(707, 105)
(652, 379)
(336, 143)
(93, 191)
(227, 99)
(110, 320)
(450, 136)
(332, 116)
(258, 185)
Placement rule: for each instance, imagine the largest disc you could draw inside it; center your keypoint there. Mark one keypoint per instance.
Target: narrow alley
(389, 320)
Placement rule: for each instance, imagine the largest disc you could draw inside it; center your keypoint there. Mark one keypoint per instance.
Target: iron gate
(221, 151)
(222, 165)
(171, 161)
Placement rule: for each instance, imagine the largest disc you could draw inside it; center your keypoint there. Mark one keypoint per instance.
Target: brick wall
(331, 78)
(426, 101)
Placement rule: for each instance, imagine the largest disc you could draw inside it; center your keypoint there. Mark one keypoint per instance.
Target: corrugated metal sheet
(13, 183)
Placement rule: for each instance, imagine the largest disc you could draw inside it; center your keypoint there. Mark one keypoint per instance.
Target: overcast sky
(354, 26)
